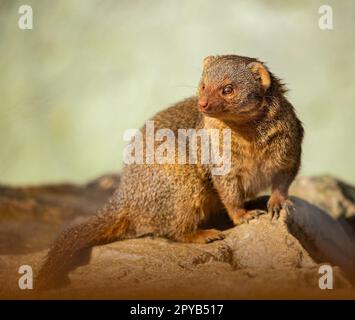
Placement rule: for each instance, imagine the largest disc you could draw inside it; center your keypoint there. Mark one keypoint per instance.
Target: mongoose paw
(205, 236)
(275, 207)
(245, 216)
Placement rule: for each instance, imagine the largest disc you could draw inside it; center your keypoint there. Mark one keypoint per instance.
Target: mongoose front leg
(231, 196)
(279, 195)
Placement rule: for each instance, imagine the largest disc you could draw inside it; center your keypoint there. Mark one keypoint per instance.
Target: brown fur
(172, 200)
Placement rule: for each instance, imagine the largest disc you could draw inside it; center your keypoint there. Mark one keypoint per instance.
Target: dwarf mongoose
(172, 200)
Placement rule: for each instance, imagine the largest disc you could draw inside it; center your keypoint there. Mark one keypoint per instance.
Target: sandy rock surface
(261, 259)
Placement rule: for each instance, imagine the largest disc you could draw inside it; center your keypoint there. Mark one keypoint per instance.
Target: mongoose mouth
(209, 113)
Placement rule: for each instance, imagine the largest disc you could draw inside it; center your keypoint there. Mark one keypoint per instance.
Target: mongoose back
(173, 200)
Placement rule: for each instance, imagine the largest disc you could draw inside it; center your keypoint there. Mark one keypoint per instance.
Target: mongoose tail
(99, 229)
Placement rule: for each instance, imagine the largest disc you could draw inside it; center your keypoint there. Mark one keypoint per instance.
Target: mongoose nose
(203, 104)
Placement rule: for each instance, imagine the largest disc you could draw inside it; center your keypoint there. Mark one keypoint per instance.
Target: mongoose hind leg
(241, 216)
(204, 236)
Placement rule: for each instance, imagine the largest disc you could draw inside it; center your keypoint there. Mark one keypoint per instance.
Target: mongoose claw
(254, 214)
(204, 236)
(219, 236)
(275, 212)
(276, 208)
(288, 206)
(247, 216)
(258, 213)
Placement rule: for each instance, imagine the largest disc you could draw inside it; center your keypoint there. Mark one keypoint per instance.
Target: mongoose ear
(207, 61)
(261, 72)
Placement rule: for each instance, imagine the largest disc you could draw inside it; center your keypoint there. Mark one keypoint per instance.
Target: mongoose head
(233, 88)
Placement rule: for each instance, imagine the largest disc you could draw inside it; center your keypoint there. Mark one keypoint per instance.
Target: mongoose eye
(203, 86)
(227, 89)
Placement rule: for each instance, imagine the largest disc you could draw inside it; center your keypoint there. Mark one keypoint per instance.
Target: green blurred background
(91, 69)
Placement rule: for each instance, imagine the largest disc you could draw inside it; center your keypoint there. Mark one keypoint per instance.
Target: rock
(330, 194)
(261, 259)
(324, 237)
(32, 217)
